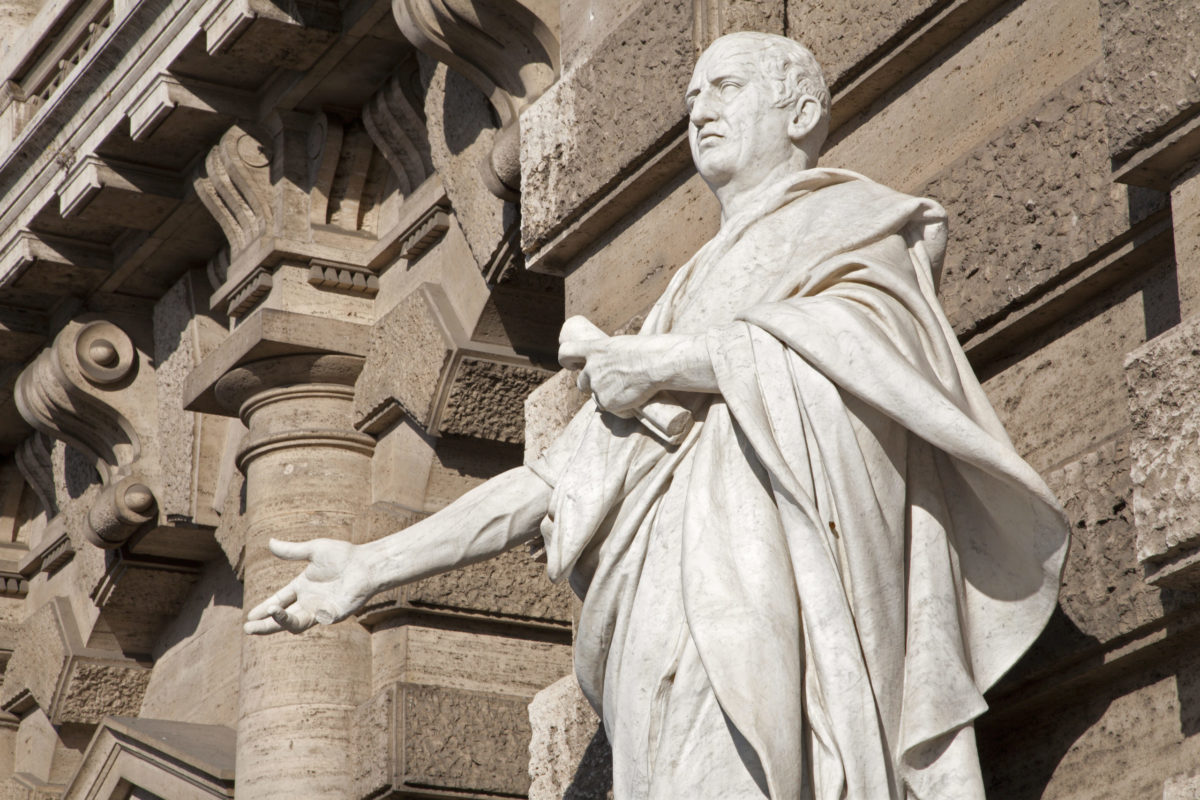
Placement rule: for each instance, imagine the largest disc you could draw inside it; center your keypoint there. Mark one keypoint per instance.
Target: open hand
(332, 587)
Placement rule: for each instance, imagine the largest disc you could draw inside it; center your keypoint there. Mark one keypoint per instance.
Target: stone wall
(280, 270)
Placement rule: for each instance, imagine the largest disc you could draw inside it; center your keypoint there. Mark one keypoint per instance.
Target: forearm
(682, 364)
(484, 522)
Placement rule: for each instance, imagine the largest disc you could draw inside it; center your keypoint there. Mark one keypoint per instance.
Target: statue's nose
(703, 110)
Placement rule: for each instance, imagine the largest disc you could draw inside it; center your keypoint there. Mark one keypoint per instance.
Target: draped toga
(809, 595)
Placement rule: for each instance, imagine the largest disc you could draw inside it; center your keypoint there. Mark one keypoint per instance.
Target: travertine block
(945, 109)
(1031, 202)
(1152, 57)
(842, 35)
(1064, 393)
(1162, 377)
(1104, 593)
(487, 400)
(568, 154)
(569, 755)
(471, 744)
(548, 410)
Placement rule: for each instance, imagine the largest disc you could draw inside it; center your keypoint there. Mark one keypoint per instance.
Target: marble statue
(804, 588)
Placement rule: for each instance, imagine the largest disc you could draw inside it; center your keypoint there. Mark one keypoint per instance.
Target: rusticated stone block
(1162, 376)
(405, 359)
(1153, 58)
(96, 689)
(1104, 593)
(487, 400)
(416, 738)
(36, 664)
(569, 755)
(510, 585)
(844, 34)
(568, 153)
(1031, 203)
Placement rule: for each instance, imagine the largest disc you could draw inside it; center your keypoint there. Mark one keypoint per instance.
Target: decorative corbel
(73, 391)
(395, 121)
(504, 47)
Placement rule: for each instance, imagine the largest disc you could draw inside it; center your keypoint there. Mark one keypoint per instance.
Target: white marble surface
(809, 593)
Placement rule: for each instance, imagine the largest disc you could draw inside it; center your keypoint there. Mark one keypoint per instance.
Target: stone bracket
(292, 36)
(91, 389)
(137, 196)
(26, 249)
(507, 49)
(422, 363)
(167, 93)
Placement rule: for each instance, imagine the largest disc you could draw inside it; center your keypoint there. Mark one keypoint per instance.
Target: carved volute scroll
(73, 391)
(504, 47)
(235, 185)
(396, 122)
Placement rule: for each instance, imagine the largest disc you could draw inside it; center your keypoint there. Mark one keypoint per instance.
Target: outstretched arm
(340, 576)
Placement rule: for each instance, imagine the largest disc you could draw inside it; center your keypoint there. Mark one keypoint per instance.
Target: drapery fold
(863, 552)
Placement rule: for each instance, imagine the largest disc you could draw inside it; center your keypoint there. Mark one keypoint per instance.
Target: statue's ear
(805, 120)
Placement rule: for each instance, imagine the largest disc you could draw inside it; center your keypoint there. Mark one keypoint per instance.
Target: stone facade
(294, 270)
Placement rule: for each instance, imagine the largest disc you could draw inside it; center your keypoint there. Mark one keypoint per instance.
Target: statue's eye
(728, 88)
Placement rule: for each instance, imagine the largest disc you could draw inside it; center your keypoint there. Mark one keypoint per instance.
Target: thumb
(292, 551)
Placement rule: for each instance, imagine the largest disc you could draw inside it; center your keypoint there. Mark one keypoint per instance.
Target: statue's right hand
(333, 585)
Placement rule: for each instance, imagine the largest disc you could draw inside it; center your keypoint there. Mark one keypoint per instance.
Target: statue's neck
(737, 199)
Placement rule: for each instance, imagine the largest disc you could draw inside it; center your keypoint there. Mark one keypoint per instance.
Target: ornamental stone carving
(509, 50)
(88, 389)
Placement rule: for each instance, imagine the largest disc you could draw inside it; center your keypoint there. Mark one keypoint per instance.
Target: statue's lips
(708, 136)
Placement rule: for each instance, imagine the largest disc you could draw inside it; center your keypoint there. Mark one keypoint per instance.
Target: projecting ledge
(269, 333)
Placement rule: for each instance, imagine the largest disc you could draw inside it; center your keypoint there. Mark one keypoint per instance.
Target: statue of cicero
(806, 597)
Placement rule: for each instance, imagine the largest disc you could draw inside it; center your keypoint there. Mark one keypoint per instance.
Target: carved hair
(787, 65)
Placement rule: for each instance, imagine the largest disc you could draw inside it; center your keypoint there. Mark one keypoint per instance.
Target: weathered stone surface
(461, 136)
(466, 740)
(511, 585)
(642, 252)
(408, 351)
(569, 755)
(470, 658)
(38, 662)
(638, 76)
(1153, 57)
(487, 400)
(1162, 377)
(548, 409)
(1032, 202)
(198, 656)
(1062, 392)
(96, 689)
(1121, 737)
(843, 35)
(948, 106)
(448, 740)
(183, 335)
(1104, 592)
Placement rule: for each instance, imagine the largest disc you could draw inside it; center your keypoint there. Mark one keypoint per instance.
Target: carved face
(736, 133)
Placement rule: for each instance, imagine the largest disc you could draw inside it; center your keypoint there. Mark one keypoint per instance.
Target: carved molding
(235, 185)
(395, 121)
(73, 391)
(303, 187)
(33, 458)
(503, 47)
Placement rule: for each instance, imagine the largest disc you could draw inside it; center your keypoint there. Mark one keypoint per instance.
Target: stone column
(307, 476)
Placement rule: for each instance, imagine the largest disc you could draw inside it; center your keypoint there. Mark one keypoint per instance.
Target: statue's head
(756, 101)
